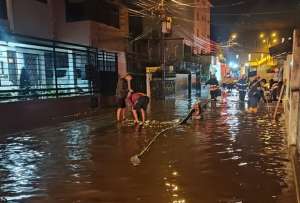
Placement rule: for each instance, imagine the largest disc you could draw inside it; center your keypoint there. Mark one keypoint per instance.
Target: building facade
(48, 47)
(190, 48)
(189, 37)
(3, 16)
(97, 23)
(202, 27)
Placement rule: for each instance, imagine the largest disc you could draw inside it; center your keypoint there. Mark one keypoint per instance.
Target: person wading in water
(213, 87)
(242, 86)
(255, 94)
(122, 91)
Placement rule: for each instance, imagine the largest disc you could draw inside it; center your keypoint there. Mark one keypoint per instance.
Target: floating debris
(243, 164)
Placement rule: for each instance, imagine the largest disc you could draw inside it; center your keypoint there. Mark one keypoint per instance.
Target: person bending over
(139, 103)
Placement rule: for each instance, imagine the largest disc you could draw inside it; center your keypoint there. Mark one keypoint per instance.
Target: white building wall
(30, 17)
(73, 32)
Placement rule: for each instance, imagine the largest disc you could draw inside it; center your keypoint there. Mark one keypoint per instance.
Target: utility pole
(165, 27)
(162, 47)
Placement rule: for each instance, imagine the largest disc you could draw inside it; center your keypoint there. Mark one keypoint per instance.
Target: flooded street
(229, 157)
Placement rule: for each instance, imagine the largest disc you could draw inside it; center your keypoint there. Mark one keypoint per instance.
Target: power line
(256, 13)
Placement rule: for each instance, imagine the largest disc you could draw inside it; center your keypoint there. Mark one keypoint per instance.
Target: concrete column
(287, 96)
(198, 83)
(10, 14)
(122, 65)
(148, 84)
(189, 85)
(52, 20)
(294, 119)
(293, 129)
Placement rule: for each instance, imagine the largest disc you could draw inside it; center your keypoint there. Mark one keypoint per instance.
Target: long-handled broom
(135, 160)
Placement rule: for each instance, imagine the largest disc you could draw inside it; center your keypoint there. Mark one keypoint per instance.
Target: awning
(281, 50)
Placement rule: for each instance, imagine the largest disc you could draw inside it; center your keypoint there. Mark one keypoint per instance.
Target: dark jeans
(242, 95)
(274, 94)
(213, 94)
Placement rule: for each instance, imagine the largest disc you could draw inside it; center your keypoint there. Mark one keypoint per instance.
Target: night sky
(252, 16)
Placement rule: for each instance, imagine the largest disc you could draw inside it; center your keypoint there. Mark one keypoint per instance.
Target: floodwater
(229, 157)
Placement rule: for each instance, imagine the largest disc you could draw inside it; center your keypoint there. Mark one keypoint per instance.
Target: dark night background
(252, 16)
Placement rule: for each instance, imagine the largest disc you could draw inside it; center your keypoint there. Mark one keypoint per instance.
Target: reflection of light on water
(19, 168)
(232, 121)
(78, 140)
(172, 187)
(179, 201)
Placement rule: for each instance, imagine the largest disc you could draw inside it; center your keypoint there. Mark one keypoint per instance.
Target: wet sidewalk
(230, 157)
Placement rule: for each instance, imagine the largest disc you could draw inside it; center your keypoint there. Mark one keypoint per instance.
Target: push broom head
(135, 160)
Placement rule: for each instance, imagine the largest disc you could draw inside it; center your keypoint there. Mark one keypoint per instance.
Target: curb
(296, 167)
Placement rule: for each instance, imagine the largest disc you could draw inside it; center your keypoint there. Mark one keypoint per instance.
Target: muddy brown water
(229, 157)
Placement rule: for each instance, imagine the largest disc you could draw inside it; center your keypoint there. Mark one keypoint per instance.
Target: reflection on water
(19, 167)
(230, 156)
(77, 143)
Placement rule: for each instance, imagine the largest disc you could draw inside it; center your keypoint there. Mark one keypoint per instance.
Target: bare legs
(121, 114)
(143, 115)
(135, 116)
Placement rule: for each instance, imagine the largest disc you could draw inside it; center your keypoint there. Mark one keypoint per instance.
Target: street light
(262, 35)
(274, 34)
(233, 36)
(269, 39)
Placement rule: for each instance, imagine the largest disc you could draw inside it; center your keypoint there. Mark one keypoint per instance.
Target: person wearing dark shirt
(256, 93)
(214, 87)
(139, 103)
(242, 86)
(123, 88)
(25, 81)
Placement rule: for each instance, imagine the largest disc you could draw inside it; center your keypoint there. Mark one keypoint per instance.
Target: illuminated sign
(152, 69)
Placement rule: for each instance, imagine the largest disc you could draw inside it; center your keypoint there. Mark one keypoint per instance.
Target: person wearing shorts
(123, 88)
(139, 103)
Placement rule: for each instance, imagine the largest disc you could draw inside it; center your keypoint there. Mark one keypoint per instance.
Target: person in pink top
(139, 103)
